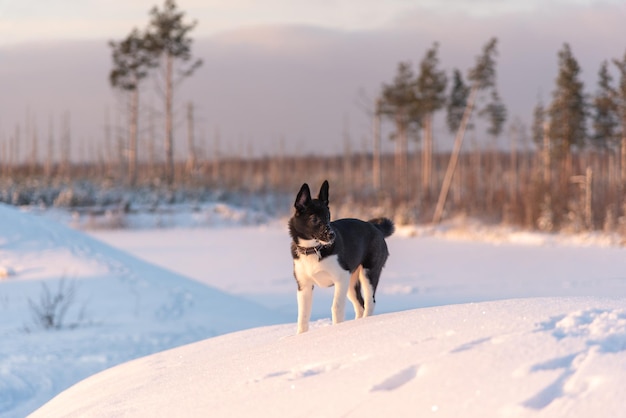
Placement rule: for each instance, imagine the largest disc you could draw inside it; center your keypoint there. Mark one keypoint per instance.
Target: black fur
(355, 242)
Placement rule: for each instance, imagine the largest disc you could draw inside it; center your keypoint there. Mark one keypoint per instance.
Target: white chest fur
(324, 273)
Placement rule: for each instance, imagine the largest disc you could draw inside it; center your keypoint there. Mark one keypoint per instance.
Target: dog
(348, 254)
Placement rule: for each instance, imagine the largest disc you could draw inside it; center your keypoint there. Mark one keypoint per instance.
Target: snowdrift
(552, 357)
(119, 308)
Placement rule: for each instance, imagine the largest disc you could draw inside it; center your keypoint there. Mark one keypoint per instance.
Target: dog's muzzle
(328, 237)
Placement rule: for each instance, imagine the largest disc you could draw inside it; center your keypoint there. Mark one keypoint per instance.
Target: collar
(312, 250)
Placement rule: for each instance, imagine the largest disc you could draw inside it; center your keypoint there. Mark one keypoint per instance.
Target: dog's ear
(323, 196)
(303, 198)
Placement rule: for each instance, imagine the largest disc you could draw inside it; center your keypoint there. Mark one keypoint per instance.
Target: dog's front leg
(305, 302)
(339, 301)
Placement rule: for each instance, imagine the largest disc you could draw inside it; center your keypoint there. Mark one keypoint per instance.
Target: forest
(566, 172)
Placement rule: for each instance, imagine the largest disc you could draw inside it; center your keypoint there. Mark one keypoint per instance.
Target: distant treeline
(514, 187)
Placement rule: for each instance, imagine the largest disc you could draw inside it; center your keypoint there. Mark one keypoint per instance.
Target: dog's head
(311, 220)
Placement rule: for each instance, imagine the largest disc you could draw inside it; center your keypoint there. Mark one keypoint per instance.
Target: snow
(530, 357)
(512, 324)
(426, 267)
(123, 308)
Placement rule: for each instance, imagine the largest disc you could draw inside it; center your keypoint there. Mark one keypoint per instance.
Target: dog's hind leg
(354, 293)
(366, 278)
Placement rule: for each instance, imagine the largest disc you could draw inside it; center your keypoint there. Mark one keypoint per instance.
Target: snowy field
(470, 322)
(427, 266)
(122, 308)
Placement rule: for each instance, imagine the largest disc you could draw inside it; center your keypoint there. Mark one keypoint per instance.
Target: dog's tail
(385, 225)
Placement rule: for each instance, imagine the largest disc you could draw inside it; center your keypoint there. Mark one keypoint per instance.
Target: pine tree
(431, 85)
(605, 111)
(399, 102)
(621, 110)
(131, 64)
(567, 112)
(168, 38)
(457, 101)
(482, 77)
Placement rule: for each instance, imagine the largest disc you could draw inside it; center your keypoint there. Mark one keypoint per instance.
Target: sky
(34, 20)
(283, 72)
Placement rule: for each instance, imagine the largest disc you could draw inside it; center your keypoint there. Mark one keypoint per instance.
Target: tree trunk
(16, 147)
(34, 156)
(376, 176)
(347, 160)
(514, 172)
(427, 154)
(169, 140)
(401, 155)
(108, 148)
(66, 145)
(216, 158)
(191, 157)
(456, 150)
(3, 159)
(47, 170)
(588, 198)
(347, 164)
(547, 178)
(152, 154)
(121, 154)
(132, 137)
(623, 160)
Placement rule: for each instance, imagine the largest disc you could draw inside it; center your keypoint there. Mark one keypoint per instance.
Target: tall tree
(621, 108)
(605, 111)
(131, 63)
(398, 102)
(430, 90)
(482, 77)
(567, 111)
(168, 38)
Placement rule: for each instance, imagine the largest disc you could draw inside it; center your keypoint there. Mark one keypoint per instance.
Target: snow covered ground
(111, 308)
(514, 324)
(537, 357)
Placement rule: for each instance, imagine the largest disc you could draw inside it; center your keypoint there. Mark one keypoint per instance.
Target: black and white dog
(347, 253)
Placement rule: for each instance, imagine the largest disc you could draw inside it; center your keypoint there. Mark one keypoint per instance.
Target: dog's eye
(315, 221)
